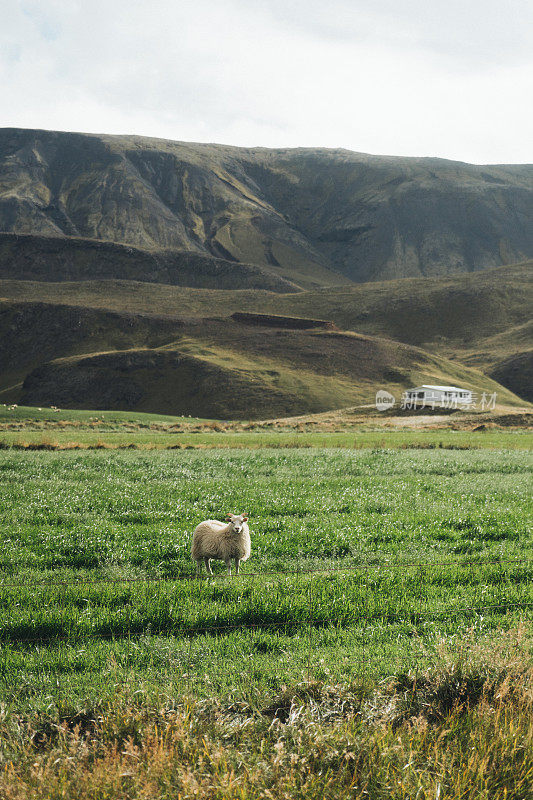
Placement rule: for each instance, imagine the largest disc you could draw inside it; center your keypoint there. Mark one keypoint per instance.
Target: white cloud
(407, 77)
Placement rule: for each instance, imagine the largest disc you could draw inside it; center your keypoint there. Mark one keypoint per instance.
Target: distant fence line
(361, 567)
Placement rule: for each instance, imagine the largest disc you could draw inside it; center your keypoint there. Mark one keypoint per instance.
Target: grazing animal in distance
(227, 541)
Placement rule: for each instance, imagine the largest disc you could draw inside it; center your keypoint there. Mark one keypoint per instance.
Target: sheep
(225, 541)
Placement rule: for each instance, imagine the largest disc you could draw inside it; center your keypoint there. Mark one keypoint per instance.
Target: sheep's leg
(228, 564)
(207, 562)
(237, 564)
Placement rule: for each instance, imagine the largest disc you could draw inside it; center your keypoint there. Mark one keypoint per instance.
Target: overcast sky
(450, 78)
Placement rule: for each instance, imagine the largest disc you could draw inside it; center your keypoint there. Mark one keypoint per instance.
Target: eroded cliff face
(311, 216)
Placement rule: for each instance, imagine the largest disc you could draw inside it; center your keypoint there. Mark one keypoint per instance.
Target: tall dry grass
(463, 730)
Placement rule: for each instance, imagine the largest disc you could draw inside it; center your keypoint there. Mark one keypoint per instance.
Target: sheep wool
(226, 541)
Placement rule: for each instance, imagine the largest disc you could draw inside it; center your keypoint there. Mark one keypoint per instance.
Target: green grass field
(379, 556)
(378, 438)
(30, 415)
(21, 427)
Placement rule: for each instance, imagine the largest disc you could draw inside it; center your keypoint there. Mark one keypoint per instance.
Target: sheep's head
(237, 521)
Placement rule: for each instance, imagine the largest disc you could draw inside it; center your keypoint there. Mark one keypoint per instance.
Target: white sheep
(225, 541)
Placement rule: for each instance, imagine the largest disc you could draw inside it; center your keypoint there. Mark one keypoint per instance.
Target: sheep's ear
(245, 519)
(228, 516)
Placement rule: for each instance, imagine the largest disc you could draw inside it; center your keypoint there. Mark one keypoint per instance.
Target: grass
(363, 649)
(32, 414)
(25, 427)
(90, 517)
(463, 729)
(204, 438)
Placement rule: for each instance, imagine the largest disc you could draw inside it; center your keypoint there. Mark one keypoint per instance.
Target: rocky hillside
(311, 216)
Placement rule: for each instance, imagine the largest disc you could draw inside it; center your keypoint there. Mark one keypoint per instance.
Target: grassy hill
(54, 258)
(209, 367)
(312, 216)
(33, 333)
(457, 310)
(477, 322)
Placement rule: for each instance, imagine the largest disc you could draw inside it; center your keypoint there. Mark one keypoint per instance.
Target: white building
(437, 397)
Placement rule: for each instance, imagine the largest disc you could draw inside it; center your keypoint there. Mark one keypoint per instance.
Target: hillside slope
(313, 216)
(239, 383)
(33, 333)
(480, 320)
(209, 367)
(516, 373)
(452, 314)
(55, 258)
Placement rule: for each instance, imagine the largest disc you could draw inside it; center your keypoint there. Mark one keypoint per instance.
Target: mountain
(124, 259)
(312, 217)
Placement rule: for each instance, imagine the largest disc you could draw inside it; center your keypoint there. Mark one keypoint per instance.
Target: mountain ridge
(310, 215)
